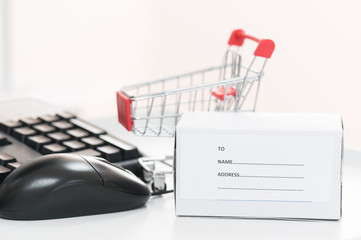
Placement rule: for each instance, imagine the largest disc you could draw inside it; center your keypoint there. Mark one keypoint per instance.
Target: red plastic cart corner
(123, 104)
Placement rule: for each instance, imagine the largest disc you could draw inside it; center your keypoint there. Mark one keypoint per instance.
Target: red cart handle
(265, 46)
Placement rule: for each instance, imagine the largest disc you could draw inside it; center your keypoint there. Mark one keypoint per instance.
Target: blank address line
(263, 189)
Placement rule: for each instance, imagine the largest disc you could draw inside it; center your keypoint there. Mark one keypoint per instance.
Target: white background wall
(77, 53)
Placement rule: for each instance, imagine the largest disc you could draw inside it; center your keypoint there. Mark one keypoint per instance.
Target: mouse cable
(161, 192)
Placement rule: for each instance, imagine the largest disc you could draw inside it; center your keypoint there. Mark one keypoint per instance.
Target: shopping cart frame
(228, 93)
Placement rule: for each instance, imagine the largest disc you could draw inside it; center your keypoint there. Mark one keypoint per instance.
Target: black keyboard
(30, 128)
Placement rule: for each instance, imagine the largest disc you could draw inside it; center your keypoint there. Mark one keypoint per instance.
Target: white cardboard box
(259, 165)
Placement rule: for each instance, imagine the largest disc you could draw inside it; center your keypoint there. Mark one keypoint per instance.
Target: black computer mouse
(68, 185)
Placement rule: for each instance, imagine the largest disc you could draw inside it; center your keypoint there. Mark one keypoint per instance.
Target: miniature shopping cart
(154, 108)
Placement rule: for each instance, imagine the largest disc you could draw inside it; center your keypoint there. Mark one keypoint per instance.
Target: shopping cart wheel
(159, 190)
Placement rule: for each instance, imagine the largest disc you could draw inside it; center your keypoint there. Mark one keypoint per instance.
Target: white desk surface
(157, 219)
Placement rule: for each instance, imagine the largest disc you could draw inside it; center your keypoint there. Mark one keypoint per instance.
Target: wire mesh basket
(154, 108)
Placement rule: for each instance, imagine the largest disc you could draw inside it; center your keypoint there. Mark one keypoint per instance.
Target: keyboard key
(49, 118)
(128, 151)
(52, 148)
(22, 133)
(30, 121)
(13, 165)
(74, 145)
(8, 126)
(44, 128)
(62, 125)
(66, 115)
(37, 141)
(6, 158)
(93, 141)
(4, 172)
(3, 140)
(77, 133)
(88, 127)
(110, 153)
(88, 152)
(59, 136)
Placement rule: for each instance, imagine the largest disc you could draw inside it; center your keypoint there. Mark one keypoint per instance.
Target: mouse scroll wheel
(107, 162)
(101, 159)
(117, 178)
(126, 170)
